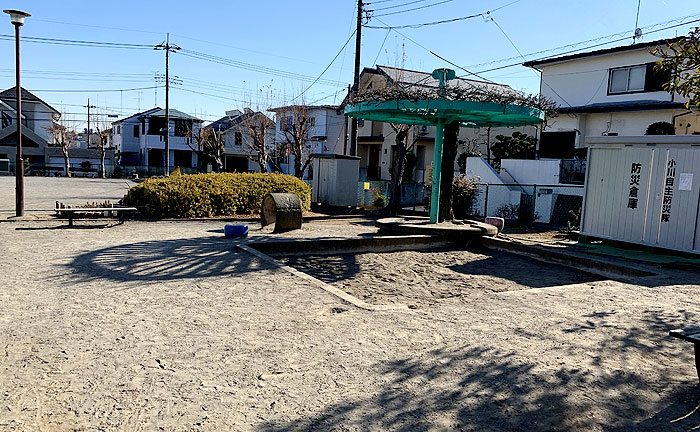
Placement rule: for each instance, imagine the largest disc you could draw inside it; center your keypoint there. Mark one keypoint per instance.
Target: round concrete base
(460, 231)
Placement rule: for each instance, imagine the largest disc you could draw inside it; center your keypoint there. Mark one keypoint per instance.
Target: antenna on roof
(637, 33)
(637, 30)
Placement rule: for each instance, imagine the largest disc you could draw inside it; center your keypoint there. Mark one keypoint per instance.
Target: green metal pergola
(439, 112)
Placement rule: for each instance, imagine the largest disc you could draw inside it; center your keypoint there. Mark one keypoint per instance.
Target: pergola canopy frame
(440, 111)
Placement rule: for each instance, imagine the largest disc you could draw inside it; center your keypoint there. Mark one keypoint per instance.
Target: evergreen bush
(213, 194)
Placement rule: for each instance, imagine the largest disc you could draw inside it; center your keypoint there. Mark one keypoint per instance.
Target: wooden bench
(690, 334)
(70, 212)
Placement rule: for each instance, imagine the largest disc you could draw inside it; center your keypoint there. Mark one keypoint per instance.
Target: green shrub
(380, 201)
(213, 194)
(464, 193)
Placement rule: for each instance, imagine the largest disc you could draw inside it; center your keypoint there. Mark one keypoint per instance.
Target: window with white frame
(628, 79)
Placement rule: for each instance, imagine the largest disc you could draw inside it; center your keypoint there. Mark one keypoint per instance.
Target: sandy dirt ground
(167, 326)
(425, 278)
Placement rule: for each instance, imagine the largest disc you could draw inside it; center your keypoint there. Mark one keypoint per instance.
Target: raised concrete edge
(342, 295)
(587, 264)
(349, 245)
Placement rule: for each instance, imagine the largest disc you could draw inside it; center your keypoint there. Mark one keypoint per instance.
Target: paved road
(41, 193)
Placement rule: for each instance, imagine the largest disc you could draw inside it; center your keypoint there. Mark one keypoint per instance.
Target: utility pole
(167, 48)
(356, 78)
(87, 139)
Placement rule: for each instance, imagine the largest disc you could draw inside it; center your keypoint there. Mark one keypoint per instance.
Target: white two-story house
(140, 139)
(327, 134)
(614, 91)
(239, 156)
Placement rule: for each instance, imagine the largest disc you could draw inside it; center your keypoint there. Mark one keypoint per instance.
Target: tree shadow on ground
(164, 260)
(71, 227)
(492, 388)
(327, 268)
(523, 271)
(487, 389)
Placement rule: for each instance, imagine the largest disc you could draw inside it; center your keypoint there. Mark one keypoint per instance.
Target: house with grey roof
(239, 156)
(140, 138)
(37, 116)
(607, 92)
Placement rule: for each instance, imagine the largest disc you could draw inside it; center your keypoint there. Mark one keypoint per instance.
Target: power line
(71, 42)
(382, 46)
(96, 26)
(584, 48)
(445, 21)
(399, 5)
(253, 67)
(415, 8)
(440, 57)
(94, 91)
(327, 67)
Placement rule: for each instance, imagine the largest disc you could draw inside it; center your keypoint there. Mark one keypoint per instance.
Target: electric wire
(414, 9)
(445, 21)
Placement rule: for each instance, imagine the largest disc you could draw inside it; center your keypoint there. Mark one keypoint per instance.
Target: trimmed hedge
(214, 194)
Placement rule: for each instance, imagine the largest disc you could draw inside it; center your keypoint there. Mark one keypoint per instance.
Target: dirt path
(167, 326)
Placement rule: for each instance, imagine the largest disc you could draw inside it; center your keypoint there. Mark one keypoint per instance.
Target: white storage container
(645, 190)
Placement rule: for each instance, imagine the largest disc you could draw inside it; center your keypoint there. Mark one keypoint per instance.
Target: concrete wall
(631, 123)
(530, 171)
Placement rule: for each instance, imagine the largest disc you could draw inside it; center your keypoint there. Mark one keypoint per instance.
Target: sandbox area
(171, 326)
(426, 278)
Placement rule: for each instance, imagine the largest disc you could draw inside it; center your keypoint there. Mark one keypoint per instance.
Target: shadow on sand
(493, 389)
(166, 260)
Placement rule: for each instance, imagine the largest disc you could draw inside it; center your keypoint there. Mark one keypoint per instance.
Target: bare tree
(447, 173)
(258, 126)
(404, 144)
(62, 137)
(104, 143)
(209, 146)
(296, 124)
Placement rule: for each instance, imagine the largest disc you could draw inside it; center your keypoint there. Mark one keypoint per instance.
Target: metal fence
(555, 205)
(412, 194)
(92, 170)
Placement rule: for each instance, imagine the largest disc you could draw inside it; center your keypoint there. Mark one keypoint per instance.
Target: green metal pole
(437, 168)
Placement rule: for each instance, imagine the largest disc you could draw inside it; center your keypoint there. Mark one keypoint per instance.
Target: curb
(342, 295)
(350, 245)
(587, 264)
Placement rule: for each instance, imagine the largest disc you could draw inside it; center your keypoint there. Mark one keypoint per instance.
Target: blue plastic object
(236, 230)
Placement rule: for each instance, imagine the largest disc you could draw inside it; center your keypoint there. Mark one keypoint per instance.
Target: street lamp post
(17, 19)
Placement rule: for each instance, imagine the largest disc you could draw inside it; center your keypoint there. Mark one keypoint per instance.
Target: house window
(633, 79)
(312, 121)
(238, 139)
(136, 131)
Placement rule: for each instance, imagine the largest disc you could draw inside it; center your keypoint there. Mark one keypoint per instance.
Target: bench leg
(70, 218)
(697, 359)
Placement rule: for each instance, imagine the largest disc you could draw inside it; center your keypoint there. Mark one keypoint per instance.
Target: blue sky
(293, 38)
